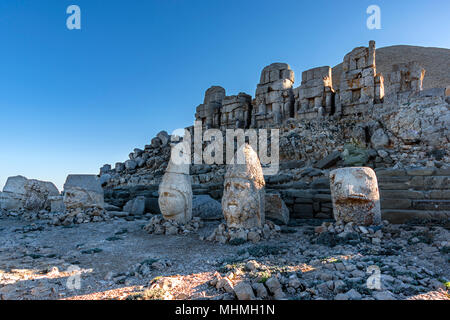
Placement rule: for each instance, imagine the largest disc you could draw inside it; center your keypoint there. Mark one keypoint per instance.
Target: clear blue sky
(72, 101)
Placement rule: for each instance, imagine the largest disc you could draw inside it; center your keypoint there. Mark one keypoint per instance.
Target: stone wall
(414, 192)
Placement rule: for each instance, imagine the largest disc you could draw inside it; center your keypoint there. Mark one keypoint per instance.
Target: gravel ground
(117, 259)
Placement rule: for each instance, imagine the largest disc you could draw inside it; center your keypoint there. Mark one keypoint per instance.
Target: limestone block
(379, 139)
(136, 206)
(276, 209)
(13, 193)
(105, 169)
(22, 193)
(37, 193)
(119, 167)
(355, 196)
(206, 208)
(164, 137)
(57, 204)
(83, 192)
(130, 164)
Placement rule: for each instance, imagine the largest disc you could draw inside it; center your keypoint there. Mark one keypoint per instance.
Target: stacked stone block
(405, 80)
(359, 80)
(236, 112)
(209, 112)
(315, 96)
(274, 98)
(414, 192)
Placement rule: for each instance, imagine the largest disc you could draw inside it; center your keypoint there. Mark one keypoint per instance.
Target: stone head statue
(175, 190)
(243, 196)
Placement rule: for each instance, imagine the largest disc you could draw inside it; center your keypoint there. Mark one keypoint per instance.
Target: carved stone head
(175, 192)
(243, 197)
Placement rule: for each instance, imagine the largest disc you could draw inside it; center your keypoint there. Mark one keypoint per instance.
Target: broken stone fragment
(276, 209)
(355, 196)
(244, 291)
(83, 199)
(136, 207)
(206, 208)
(20, 193)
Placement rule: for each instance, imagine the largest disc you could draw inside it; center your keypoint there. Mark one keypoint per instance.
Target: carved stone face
(241, 204)
(173, 205)
(355, 195)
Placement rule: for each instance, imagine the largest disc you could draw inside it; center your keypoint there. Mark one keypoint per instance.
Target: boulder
(163, 137)
(105, 178)
(21, 193)
(83, 192)
(37, 193)
(57, 204)
(379, 139)
(119, 167)
(152, 205)
(329, 161)
(13, 193)
(206, 208)
(244, 291)
(135, 207)
(130, 164)
(276, 209)
(355, 196)
(105, 169)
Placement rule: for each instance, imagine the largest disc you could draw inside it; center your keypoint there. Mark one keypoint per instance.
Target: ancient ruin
(274, 98)
(315, 96)
(209, 112)
(363, 181)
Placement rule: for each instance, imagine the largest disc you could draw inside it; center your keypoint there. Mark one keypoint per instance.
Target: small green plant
(264, 276)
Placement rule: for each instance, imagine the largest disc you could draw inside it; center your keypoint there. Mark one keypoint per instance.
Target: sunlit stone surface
(355, 195)
(243, 197)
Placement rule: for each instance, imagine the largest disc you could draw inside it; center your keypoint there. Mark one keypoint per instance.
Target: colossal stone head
(175, 191)
(243, 196)
(355, 195)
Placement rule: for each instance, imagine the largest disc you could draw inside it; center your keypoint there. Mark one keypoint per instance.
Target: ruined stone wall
(385, 126)
(414, 192)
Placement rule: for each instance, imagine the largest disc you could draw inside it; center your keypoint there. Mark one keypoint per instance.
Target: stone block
(276, 209)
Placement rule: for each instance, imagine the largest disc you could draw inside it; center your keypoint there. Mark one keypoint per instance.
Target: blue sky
(73, 100)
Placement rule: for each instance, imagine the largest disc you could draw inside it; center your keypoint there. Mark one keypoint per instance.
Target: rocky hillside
(436, 62)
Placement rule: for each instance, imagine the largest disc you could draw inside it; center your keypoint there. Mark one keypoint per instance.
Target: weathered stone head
(175, 192)
(243, 197)
(355, 195)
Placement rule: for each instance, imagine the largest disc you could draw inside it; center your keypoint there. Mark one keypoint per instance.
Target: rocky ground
(117, 259)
